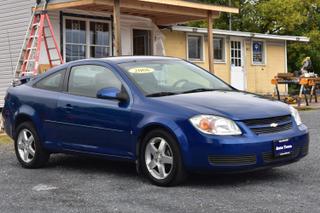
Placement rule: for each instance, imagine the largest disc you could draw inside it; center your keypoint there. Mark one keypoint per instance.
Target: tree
(282, 17)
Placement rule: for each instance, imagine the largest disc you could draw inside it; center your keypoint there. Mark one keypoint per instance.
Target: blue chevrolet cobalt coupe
(167, 115)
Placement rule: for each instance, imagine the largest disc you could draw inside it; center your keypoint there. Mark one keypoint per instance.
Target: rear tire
(28, 147)
(160, 159)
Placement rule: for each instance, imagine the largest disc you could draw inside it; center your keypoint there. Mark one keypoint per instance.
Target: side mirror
(112, 93)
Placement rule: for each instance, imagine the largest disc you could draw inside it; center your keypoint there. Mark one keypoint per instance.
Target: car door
(89, 124)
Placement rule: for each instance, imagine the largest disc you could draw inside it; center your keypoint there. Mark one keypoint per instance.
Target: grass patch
(4, 139)
(306, 108)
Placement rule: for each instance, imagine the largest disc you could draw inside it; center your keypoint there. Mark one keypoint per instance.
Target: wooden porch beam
(71, 4)
(117, 28)
(195, 5)
(175, 19)
(141, 6)
(210, 42)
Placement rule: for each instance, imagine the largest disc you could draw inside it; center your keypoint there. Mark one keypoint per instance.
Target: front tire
(160, 159)
(28, 148)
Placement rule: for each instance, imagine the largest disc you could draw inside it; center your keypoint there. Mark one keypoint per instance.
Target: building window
(258, 56)
(195, 45)
(236, 53)
(219, 49)
(86, 38)
(75, 40)
(99, 40)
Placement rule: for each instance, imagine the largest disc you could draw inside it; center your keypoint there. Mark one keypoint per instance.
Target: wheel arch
(21, 118)
(26, 114)
(174, 130)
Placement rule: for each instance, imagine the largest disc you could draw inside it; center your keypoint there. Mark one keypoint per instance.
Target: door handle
(68, 107)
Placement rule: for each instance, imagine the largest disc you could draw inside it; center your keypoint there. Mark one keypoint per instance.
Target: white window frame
(88, 45)
(264, 53)
(202, 55)
(223, 60)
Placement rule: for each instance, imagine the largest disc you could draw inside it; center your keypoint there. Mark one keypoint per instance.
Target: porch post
(116, 27)
(210, 42)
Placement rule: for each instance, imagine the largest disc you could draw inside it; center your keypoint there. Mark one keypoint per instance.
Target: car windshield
(171, 77)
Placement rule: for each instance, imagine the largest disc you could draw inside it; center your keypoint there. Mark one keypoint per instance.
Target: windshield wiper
(198, 90)
(159, 94)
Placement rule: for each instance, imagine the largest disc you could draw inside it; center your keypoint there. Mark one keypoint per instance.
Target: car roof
(126, 59)
(112, 60)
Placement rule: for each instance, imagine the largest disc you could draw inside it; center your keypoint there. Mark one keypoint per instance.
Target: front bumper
(244, 153)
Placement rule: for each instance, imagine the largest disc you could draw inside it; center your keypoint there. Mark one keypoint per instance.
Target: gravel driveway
(78, 184)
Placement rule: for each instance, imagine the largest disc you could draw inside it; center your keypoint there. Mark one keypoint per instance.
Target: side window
(52, 82)
(87, 80)
(195, 51)
(219, 53)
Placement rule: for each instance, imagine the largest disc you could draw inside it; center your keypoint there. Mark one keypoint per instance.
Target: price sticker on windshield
(141, 70)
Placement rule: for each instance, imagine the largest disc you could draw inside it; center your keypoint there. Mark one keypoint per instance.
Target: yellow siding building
(248, 61)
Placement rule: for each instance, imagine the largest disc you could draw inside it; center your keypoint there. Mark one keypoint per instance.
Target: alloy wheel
(26, 145)
(159, 158)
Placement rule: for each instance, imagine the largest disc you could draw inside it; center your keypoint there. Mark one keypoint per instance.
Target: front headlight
(215, 125)
(295, 115)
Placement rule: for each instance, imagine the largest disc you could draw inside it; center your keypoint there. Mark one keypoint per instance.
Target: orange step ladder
(36, 35)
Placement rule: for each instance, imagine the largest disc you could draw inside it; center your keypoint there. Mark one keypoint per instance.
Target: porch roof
(162, 12)
(241, 34)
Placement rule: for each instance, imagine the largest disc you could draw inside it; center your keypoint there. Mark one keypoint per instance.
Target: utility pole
(230, 17)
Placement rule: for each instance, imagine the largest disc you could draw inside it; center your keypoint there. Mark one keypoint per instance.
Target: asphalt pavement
(79, 184)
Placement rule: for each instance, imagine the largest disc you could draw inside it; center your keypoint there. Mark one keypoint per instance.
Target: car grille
(246, 160)
(268, 157)
(263, 126)
(232, 160)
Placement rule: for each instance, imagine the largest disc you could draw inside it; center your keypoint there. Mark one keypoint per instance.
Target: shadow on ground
(91, 165)
(127, 170)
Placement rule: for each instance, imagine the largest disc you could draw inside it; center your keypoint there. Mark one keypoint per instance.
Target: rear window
(52, 82)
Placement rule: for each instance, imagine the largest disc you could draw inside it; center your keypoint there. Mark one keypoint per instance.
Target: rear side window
(52, 82)
(87, 80)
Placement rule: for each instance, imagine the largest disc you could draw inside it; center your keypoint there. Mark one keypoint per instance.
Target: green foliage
(298, 51)
(282, 17)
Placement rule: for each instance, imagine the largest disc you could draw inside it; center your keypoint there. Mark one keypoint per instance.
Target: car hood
(232, 104)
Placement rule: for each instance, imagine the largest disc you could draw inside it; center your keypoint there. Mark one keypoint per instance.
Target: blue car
(167, 115)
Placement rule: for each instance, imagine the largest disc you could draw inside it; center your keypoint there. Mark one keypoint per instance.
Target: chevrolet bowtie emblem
(274, 125)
